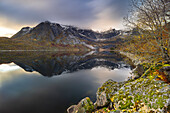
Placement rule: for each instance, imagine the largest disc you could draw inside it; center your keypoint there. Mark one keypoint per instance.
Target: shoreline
(42, 50)
(134, 95)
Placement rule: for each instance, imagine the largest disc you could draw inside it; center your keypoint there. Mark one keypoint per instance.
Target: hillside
(21, 44)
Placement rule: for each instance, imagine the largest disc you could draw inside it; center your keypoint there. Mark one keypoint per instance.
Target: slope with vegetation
(34, 45)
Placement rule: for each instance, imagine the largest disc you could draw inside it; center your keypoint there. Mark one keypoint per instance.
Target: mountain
(64, 34)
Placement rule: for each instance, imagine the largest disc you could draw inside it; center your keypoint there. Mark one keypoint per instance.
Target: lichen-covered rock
(143, 95)
(84, 106)
(106, 91)
(72, 109)
(102, 100)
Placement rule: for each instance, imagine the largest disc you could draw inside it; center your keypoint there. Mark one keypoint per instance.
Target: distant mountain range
(63, 34)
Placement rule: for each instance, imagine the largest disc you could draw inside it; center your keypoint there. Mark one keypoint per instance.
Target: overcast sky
(93, 14)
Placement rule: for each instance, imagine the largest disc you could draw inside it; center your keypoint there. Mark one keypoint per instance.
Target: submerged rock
(84, 106)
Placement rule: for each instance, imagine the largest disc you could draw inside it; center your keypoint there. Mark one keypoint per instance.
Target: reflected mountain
(51, 63)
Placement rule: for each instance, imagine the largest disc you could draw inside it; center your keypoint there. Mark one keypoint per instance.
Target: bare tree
(151, 18)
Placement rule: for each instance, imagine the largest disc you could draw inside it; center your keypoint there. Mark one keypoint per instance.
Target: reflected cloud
(9, 74)
(53, 64)
(102, 74)
(45, 94)
(8, 67)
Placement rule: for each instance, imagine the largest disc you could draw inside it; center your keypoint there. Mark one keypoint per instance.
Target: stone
(84, 106)
(72, 109)
(105, 92)
(141, 94)
(102, 100)
(137, 96)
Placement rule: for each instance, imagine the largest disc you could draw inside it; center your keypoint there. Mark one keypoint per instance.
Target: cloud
(8, 67)
(109, 14)
(95, 14)
(35, 10)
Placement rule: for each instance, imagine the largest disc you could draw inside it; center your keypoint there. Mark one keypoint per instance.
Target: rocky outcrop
(142, 95)
(84, 106)
(105, 92)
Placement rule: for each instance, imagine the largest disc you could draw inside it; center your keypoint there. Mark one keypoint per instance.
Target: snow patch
(64, 26)
(26, 30)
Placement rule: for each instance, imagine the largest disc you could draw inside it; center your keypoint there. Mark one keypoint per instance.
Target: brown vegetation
(150, 19)
(20, 44)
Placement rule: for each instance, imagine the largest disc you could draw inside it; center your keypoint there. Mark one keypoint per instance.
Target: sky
(99, 15)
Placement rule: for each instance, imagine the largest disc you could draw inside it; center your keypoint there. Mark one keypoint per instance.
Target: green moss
(105, 109)
(140, 92)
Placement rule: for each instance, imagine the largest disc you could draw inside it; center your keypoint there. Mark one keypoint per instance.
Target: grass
(15, 44)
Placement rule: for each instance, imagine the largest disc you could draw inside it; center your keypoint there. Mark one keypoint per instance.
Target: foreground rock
(84, 106)
(143, 95)
(105, 92)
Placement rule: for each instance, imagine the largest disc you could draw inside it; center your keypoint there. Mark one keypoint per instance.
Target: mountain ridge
(64, 34)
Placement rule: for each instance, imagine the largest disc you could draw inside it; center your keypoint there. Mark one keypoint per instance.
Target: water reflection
(25, 90)
(8, 67)
(55, 64)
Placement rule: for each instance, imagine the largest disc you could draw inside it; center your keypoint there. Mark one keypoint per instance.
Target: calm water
(38, 82)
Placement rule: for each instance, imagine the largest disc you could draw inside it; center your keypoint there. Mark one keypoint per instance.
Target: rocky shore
(140, 94)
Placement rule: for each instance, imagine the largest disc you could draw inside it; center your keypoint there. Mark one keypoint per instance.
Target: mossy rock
(106, 91)
(142, 94)
(84, 106)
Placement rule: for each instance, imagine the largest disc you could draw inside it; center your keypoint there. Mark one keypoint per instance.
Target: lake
(50, 82)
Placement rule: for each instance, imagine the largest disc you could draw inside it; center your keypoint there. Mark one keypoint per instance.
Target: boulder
(105, 92)
(102, 100)
(84, 106)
